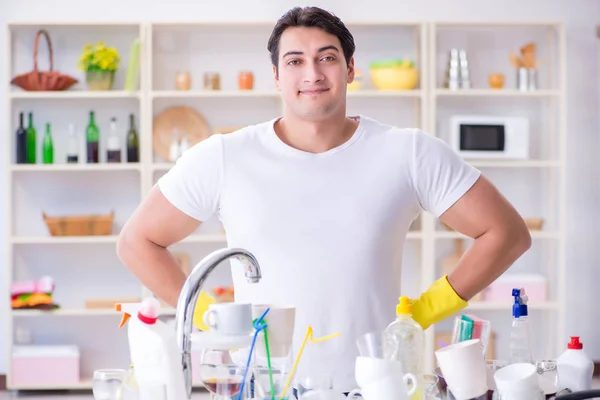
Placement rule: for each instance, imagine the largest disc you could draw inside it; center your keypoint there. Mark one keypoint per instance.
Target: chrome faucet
(189, 295)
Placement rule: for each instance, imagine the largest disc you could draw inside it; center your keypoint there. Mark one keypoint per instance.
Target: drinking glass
(548, 376)
(108, 384)
(220, 374)
(376, 345)
(310, 382)
(431, 390)
(277, 378)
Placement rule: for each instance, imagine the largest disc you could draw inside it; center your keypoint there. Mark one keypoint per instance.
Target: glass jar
(246, 80)
(212, 81)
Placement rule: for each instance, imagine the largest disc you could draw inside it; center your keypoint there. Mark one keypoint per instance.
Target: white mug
(229, 318)
(388, 387)
(369, 369)
(470, 380)
(281, 322)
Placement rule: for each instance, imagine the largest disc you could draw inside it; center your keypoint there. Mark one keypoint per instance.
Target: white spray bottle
(154, 352)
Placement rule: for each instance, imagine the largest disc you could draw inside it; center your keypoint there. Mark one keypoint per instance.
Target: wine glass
(222, 373)
(108, 384)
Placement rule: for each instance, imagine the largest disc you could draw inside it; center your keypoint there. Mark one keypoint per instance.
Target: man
(324, 202)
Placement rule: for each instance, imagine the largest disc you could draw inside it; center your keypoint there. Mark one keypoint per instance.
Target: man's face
(312, 74)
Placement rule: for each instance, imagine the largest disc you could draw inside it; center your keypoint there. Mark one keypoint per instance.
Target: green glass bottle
(133, 147)
(47, 147)
(92, 140)
(31, 141)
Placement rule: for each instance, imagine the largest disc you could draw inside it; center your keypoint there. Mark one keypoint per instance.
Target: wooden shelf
(105, 167)
(75, 95)
(495, 93)
(78, 312)
(516, 164)
(112, 239)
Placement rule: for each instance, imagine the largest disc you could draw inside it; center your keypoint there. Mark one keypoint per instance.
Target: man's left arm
(461, 197)
(500, 234)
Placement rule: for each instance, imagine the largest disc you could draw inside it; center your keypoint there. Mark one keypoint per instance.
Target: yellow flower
(99, 57)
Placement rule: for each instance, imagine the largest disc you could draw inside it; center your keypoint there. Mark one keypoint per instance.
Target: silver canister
(463, 69)
(452, 80)
(532, 83)
(522, 79)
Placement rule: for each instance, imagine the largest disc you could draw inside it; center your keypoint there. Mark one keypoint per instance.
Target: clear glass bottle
(72, 146)
(113, 146)
(409, 342)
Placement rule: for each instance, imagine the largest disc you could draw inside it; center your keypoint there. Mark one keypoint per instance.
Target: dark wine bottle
(133, 147)
(21, 139)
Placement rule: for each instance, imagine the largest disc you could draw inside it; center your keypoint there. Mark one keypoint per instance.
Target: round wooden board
(184, 119)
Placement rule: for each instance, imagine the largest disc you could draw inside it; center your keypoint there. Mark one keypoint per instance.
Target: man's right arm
(186, 195)
(144, 240)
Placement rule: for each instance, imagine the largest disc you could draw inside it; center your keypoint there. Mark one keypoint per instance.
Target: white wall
(581, 17)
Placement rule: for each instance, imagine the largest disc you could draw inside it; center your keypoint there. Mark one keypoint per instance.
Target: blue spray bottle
(520, 342)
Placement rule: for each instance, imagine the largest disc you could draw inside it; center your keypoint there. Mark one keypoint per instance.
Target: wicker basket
(80, 225)
(37, 80)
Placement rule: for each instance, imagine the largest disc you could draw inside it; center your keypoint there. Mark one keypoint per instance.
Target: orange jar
(246, 80)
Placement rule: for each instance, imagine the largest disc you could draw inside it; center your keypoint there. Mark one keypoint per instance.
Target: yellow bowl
(394, 78)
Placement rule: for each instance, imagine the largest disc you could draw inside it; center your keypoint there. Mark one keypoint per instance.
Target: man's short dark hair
(311, 17)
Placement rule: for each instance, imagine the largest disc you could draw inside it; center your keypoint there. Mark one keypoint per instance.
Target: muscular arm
(500, 234)
(143, 243)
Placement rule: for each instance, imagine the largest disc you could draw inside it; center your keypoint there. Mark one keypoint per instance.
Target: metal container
(522, 79)
(532, 79)
(452, 80)
(463, 70)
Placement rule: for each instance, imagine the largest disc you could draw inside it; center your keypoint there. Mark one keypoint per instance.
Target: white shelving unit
(538, 182)
(86, 267)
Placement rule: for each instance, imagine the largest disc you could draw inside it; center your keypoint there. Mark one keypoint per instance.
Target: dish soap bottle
(409, 339)
(154, 352)
(520, 344)
(575, 368)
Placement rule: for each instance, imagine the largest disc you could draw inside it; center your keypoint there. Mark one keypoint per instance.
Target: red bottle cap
(149, 311)
(575, 344)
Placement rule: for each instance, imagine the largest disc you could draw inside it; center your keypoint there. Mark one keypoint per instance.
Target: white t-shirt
(328, 229)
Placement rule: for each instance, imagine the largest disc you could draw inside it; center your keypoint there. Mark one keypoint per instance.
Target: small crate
(45, 365)
(80, 225)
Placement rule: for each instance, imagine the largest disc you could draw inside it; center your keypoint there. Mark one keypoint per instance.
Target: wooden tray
(186, 120)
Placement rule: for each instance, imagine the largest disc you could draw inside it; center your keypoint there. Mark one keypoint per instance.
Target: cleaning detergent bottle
(154, 352)
(520, 344)
(409, 339)
(574, 367)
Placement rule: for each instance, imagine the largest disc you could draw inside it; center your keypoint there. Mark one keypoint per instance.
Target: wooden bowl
(534, 224)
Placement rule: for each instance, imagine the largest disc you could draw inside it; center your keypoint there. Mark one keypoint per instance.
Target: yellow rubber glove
(436, 304)
(204, 301)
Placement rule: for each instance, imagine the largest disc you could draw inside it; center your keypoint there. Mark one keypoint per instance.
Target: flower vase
(100, 80)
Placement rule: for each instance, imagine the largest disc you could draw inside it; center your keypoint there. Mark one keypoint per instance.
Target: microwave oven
(490, 137)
